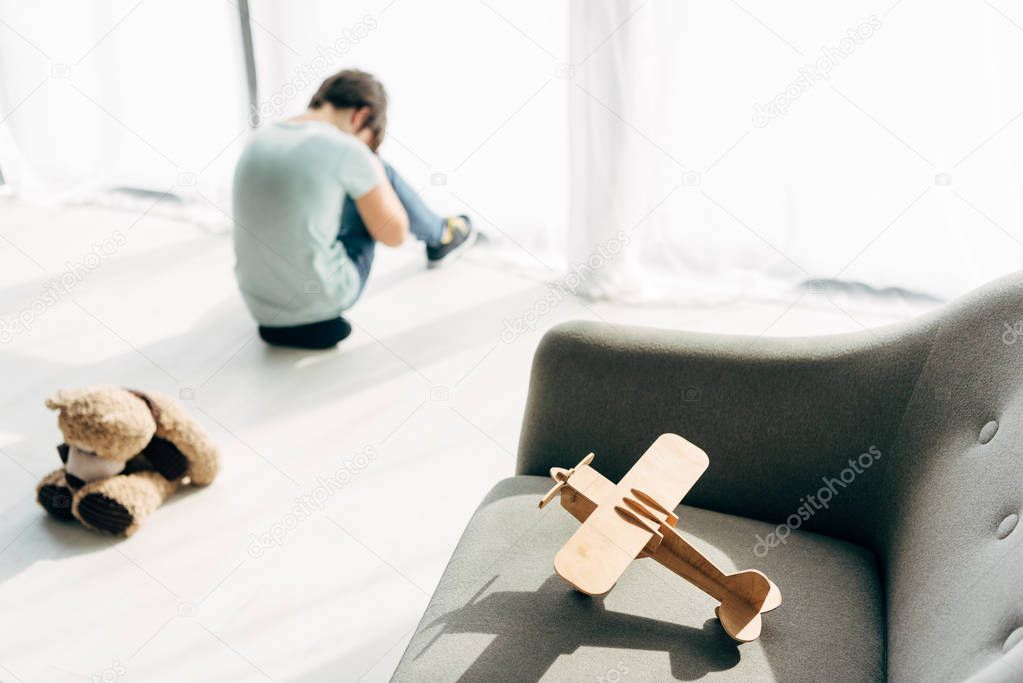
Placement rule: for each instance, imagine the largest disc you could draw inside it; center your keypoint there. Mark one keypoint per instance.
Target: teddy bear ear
(58, 400)
(64, 398)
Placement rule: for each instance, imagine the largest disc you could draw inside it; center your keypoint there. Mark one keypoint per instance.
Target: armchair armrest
(779, 417)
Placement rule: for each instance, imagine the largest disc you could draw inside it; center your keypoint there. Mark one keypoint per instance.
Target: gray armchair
(876, 477)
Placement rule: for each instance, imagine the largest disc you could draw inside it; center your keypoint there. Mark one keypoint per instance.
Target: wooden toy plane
(633, 520)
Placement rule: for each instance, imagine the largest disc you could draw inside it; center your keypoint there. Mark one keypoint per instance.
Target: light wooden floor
(426, 383)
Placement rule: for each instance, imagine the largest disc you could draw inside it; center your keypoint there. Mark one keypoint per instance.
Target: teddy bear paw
(104, 513)
(56, 500)
(55, 495)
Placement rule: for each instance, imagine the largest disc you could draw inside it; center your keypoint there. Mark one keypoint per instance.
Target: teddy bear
(124, 453)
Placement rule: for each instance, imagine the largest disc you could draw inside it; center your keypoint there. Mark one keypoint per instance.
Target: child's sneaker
(458, 236)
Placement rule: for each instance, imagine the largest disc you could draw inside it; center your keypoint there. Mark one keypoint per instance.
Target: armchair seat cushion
(500, 613)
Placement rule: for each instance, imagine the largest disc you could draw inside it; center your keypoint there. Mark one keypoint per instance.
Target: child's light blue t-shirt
(289, 187)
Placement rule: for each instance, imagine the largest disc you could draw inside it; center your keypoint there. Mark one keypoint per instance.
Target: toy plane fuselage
(634, 520)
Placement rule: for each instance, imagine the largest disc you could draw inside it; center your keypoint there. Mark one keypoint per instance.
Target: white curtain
(478, 115)
(578, 128)
(892, 156)
(97, 95)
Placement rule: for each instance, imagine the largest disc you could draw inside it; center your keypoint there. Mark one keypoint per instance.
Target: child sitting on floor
(311, 200)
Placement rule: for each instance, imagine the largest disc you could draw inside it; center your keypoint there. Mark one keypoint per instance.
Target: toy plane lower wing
(601, 549)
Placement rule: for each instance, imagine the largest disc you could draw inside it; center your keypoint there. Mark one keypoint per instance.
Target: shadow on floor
(60, 541)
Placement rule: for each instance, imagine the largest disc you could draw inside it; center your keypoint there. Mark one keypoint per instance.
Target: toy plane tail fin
(750, 594)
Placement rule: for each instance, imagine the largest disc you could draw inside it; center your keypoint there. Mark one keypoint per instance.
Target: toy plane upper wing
(606, 543)
(666, 472)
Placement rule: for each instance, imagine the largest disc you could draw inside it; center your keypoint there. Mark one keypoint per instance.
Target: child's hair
(356, 89)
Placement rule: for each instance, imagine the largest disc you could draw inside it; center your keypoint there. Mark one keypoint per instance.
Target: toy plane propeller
(634, 519)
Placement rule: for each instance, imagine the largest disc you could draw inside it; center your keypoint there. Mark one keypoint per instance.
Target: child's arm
(382, 211)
